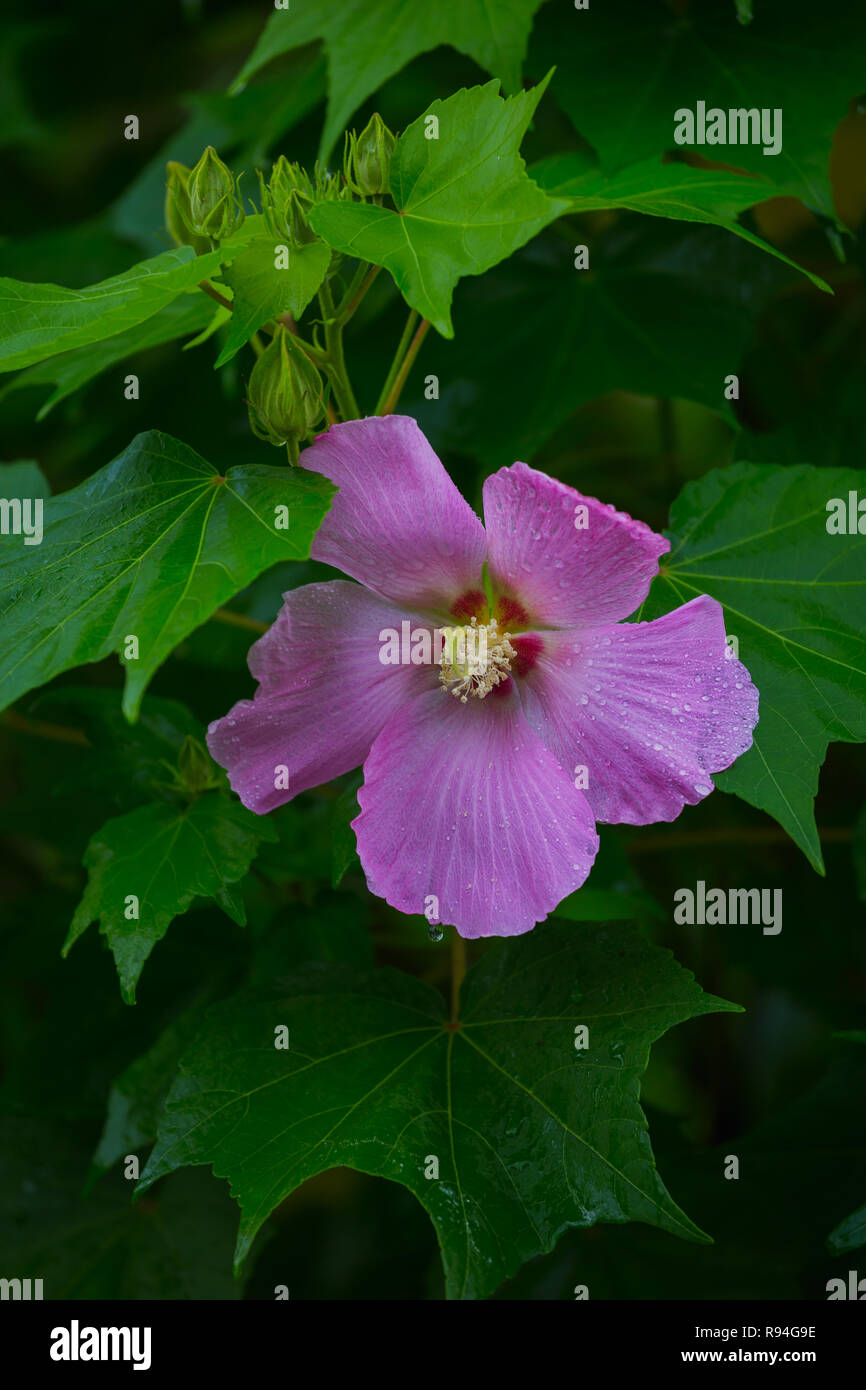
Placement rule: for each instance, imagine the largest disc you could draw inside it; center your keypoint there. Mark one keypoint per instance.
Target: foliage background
(615, 392)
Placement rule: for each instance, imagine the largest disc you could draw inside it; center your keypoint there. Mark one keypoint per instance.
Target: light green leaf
(262, 292)
(38, 321)
(531, 1134)
(153, 862)
(369, 40)
(464, 201)
(755, 538)
(146, 548)
(712, 196)
(69, 371)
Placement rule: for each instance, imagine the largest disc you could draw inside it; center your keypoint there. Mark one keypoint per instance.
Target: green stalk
(396, 389)
(335, 361)
(398, 358)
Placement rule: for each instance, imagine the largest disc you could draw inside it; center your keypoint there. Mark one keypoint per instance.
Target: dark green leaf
(624, 70)
(145, 869)
(344, 847)
(369, 40)
(712, 196)
(104, 1246)
(549, 338)
(756, 538)
(531, 1135)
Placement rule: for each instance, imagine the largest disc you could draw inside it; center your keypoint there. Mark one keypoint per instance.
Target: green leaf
(137, 1094)
(531, 1134)
(369, 40)
(850, 1234)
(712, 196)
(770, 1226)
(262, 292)
(344, 846)
(69, 371)
(624, 70)
(464, 201)
(755, 538)
(103, 1246)
(38, 321)
(147, 547)
(164, 856)
(550, 338)
(23, 478)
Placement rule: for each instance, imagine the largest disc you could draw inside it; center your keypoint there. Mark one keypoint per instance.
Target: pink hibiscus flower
(484, 805)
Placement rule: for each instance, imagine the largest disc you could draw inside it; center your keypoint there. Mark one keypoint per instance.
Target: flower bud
(196, 770)
(214, 209)
(285, 393)
(177, 213)
(286, 201)
(368, 159)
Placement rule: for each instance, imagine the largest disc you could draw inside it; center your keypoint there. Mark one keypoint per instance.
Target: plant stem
(257, 345)
(396, 389)
(225, 615)
(458, 971)
(334, 361)
(59, 732)
(215, 294)
(398, 358)
(356, 291)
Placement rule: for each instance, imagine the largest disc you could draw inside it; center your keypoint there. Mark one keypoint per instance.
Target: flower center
(474, 659)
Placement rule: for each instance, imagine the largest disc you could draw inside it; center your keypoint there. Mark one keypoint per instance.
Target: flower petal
(464, 804)
(559, 571)
(398, 523)
(323, 695)
(649, 709)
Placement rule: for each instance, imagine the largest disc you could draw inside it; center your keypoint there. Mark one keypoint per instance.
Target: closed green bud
(214, 208)
(299, 230)
(177, 213)
(196, 771)
(368, 158)
(286, 201)
(285, 394)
